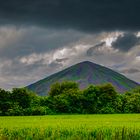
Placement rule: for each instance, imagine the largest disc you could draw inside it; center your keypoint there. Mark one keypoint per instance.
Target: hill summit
(85, 73)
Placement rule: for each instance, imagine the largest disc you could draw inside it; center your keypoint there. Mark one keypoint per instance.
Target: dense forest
(67, 98)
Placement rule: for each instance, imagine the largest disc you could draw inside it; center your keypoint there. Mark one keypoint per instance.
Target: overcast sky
(41, 37)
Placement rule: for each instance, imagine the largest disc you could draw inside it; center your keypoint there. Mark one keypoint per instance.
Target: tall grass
(70, 134)
(71, 127)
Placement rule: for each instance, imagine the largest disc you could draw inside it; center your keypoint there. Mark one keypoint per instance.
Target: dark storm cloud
(34, 40)
(126, 42)
(88, 15)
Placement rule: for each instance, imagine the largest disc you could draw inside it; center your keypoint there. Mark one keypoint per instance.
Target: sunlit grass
(115, 126)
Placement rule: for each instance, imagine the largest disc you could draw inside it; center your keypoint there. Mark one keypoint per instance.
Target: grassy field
(71, 127)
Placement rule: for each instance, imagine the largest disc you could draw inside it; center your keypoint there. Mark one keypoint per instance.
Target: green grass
(71, 127)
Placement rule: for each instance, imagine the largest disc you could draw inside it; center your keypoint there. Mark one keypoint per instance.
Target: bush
(107, 110)
(16, 110)
(38, 110)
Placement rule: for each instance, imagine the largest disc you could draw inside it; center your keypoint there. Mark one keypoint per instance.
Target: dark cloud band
(87, 15)
(126, 42)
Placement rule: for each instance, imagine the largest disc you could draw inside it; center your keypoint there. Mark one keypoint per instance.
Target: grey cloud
(21, 73)
(86, 15)
(118, 66)
(61, 60)
(126, 42)
(34, 40)
(91, 50)
(130, 71)
(55, 65)
(17, 74)
(58, 63)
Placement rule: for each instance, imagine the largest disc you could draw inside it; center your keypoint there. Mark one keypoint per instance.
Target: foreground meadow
(71, 127)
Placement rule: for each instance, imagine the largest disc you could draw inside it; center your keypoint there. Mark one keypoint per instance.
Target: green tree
(107, 93)
(90, 98)
(61, 88)
(132, 103)
(5, 101)
(22, 96)
(74, 98)
(55, 89)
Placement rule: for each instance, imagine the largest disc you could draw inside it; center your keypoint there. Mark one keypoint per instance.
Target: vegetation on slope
(85, 73)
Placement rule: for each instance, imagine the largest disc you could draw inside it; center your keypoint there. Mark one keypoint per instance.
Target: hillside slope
(85, 73)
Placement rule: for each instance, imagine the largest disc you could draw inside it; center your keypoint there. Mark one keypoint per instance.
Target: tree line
(67, 98)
